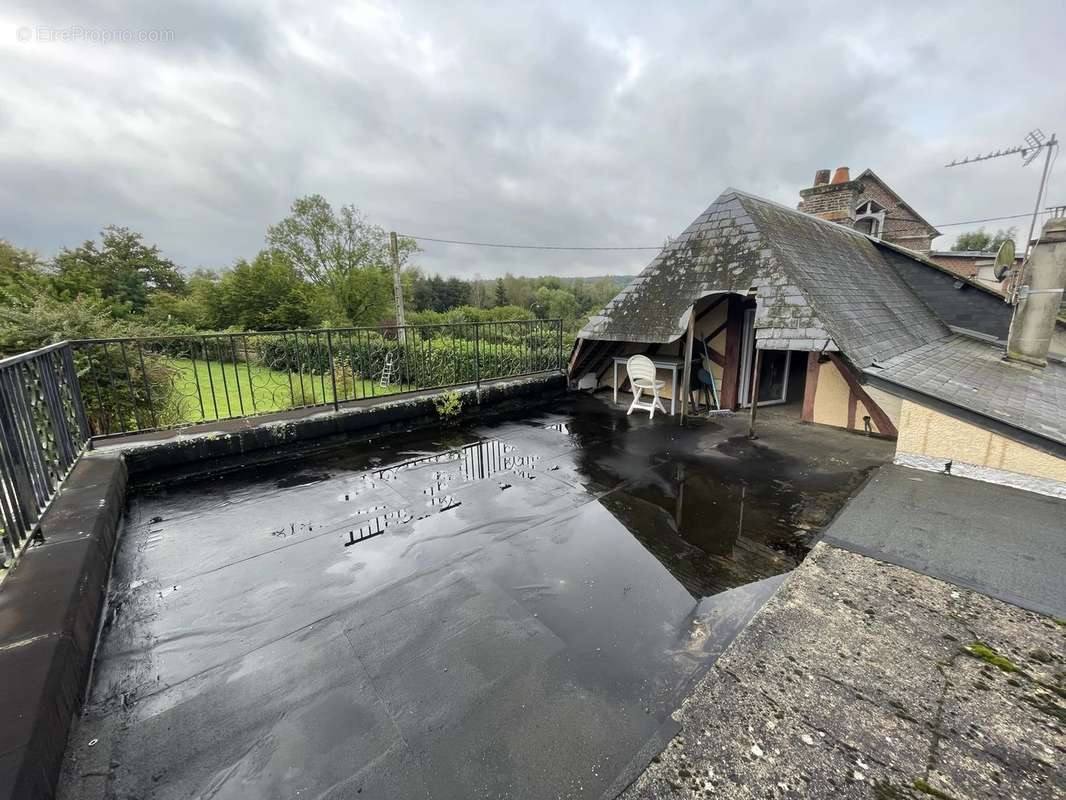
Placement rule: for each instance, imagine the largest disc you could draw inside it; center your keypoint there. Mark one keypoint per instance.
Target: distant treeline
(319, 268)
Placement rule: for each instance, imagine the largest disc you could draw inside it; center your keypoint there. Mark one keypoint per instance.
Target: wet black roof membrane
(509, 611)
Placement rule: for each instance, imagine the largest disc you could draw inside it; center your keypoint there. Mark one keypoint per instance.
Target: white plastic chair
(642, 379)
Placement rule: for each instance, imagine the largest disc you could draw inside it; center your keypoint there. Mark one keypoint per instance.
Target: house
(975, 265)
(972, 407)
(868, 205)
(843, 328)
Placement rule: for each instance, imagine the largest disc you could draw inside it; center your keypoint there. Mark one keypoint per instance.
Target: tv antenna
(1035, 141)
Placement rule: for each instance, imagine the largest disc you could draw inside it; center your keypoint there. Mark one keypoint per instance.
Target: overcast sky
(546, 123)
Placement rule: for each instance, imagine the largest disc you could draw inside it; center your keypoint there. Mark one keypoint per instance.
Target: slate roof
(971, 374)
(818, 285)
(869, 310)
(720, 251)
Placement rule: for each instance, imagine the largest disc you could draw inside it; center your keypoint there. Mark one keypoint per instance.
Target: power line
(520, 246)
(986, 219)
(501, 245)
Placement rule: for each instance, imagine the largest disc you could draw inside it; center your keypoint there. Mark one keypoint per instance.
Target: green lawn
(241, 389)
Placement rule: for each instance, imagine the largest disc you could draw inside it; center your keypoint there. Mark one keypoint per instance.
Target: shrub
(449, 405)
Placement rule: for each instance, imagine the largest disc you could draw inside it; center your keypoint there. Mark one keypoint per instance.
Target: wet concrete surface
(861, 680)
(506, 611)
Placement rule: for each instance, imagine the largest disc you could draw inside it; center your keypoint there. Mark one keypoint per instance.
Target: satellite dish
(1004, 260)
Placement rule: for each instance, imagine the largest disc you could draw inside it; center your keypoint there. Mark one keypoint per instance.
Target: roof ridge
(836, 226)
(895, 194)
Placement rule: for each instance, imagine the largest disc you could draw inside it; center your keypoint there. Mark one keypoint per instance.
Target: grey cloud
(541, 123)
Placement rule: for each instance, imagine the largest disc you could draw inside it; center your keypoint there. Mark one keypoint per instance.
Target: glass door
(773, 375)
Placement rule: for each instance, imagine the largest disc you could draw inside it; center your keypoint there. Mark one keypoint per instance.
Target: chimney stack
(841, 175)
(821, 177)
(1039, 298)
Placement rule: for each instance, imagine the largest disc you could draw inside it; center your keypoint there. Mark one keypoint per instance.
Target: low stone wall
(236, 444)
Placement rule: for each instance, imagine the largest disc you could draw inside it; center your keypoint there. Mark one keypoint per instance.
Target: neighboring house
(851, 330)
(869, 205)
(975, 265)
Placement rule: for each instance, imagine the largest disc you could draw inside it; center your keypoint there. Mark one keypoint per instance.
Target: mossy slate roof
(818, 285)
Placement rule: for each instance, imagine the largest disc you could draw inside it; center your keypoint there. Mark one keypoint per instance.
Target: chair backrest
(640, 368)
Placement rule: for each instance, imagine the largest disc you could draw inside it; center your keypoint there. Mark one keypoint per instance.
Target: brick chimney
(830, 199)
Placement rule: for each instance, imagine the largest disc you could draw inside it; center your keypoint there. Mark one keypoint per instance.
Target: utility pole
(397, 286)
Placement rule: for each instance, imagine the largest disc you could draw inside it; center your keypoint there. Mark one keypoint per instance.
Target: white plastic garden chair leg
(636, 399)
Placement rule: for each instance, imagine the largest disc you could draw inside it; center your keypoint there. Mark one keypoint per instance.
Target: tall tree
(981, 242)
(121, 270)
(478, 293)
(264, 294)
(340, 252)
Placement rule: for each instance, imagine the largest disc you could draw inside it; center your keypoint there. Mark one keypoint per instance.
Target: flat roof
(514, 609)
(1003, 542)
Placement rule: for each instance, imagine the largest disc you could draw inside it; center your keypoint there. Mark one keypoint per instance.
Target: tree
(265, 294)
(46, 319)
(437, 294)
(341, 253)
(21, 274)
(121, 270)
(518, 291)
(501, 293)
(478, 293)
(551, 303)
(426, 293)
(980, 242)
(455, 293)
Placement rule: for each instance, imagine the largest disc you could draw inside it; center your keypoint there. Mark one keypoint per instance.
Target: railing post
(71, 373)
(559, 345)
(332, 368)
(477, 361)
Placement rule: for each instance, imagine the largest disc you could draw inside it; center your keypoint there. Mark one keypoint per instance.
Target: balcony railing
(43, 430)
(54, 400)
(151, 383)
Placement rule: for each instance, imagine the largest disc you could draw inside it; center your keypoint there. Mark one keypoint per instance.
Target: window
(869, 218)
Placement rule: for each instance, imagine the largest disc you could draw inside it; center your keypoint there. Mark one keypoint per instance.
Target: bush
(437, 357)
(449, 405)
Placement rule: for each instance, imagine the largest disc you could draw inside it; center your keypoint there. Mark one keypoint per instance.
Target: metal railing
(43, 430)
(150, 383)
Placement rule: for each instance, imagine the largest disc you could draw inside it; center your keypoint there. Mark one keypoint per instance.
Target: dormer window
(869, 218)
